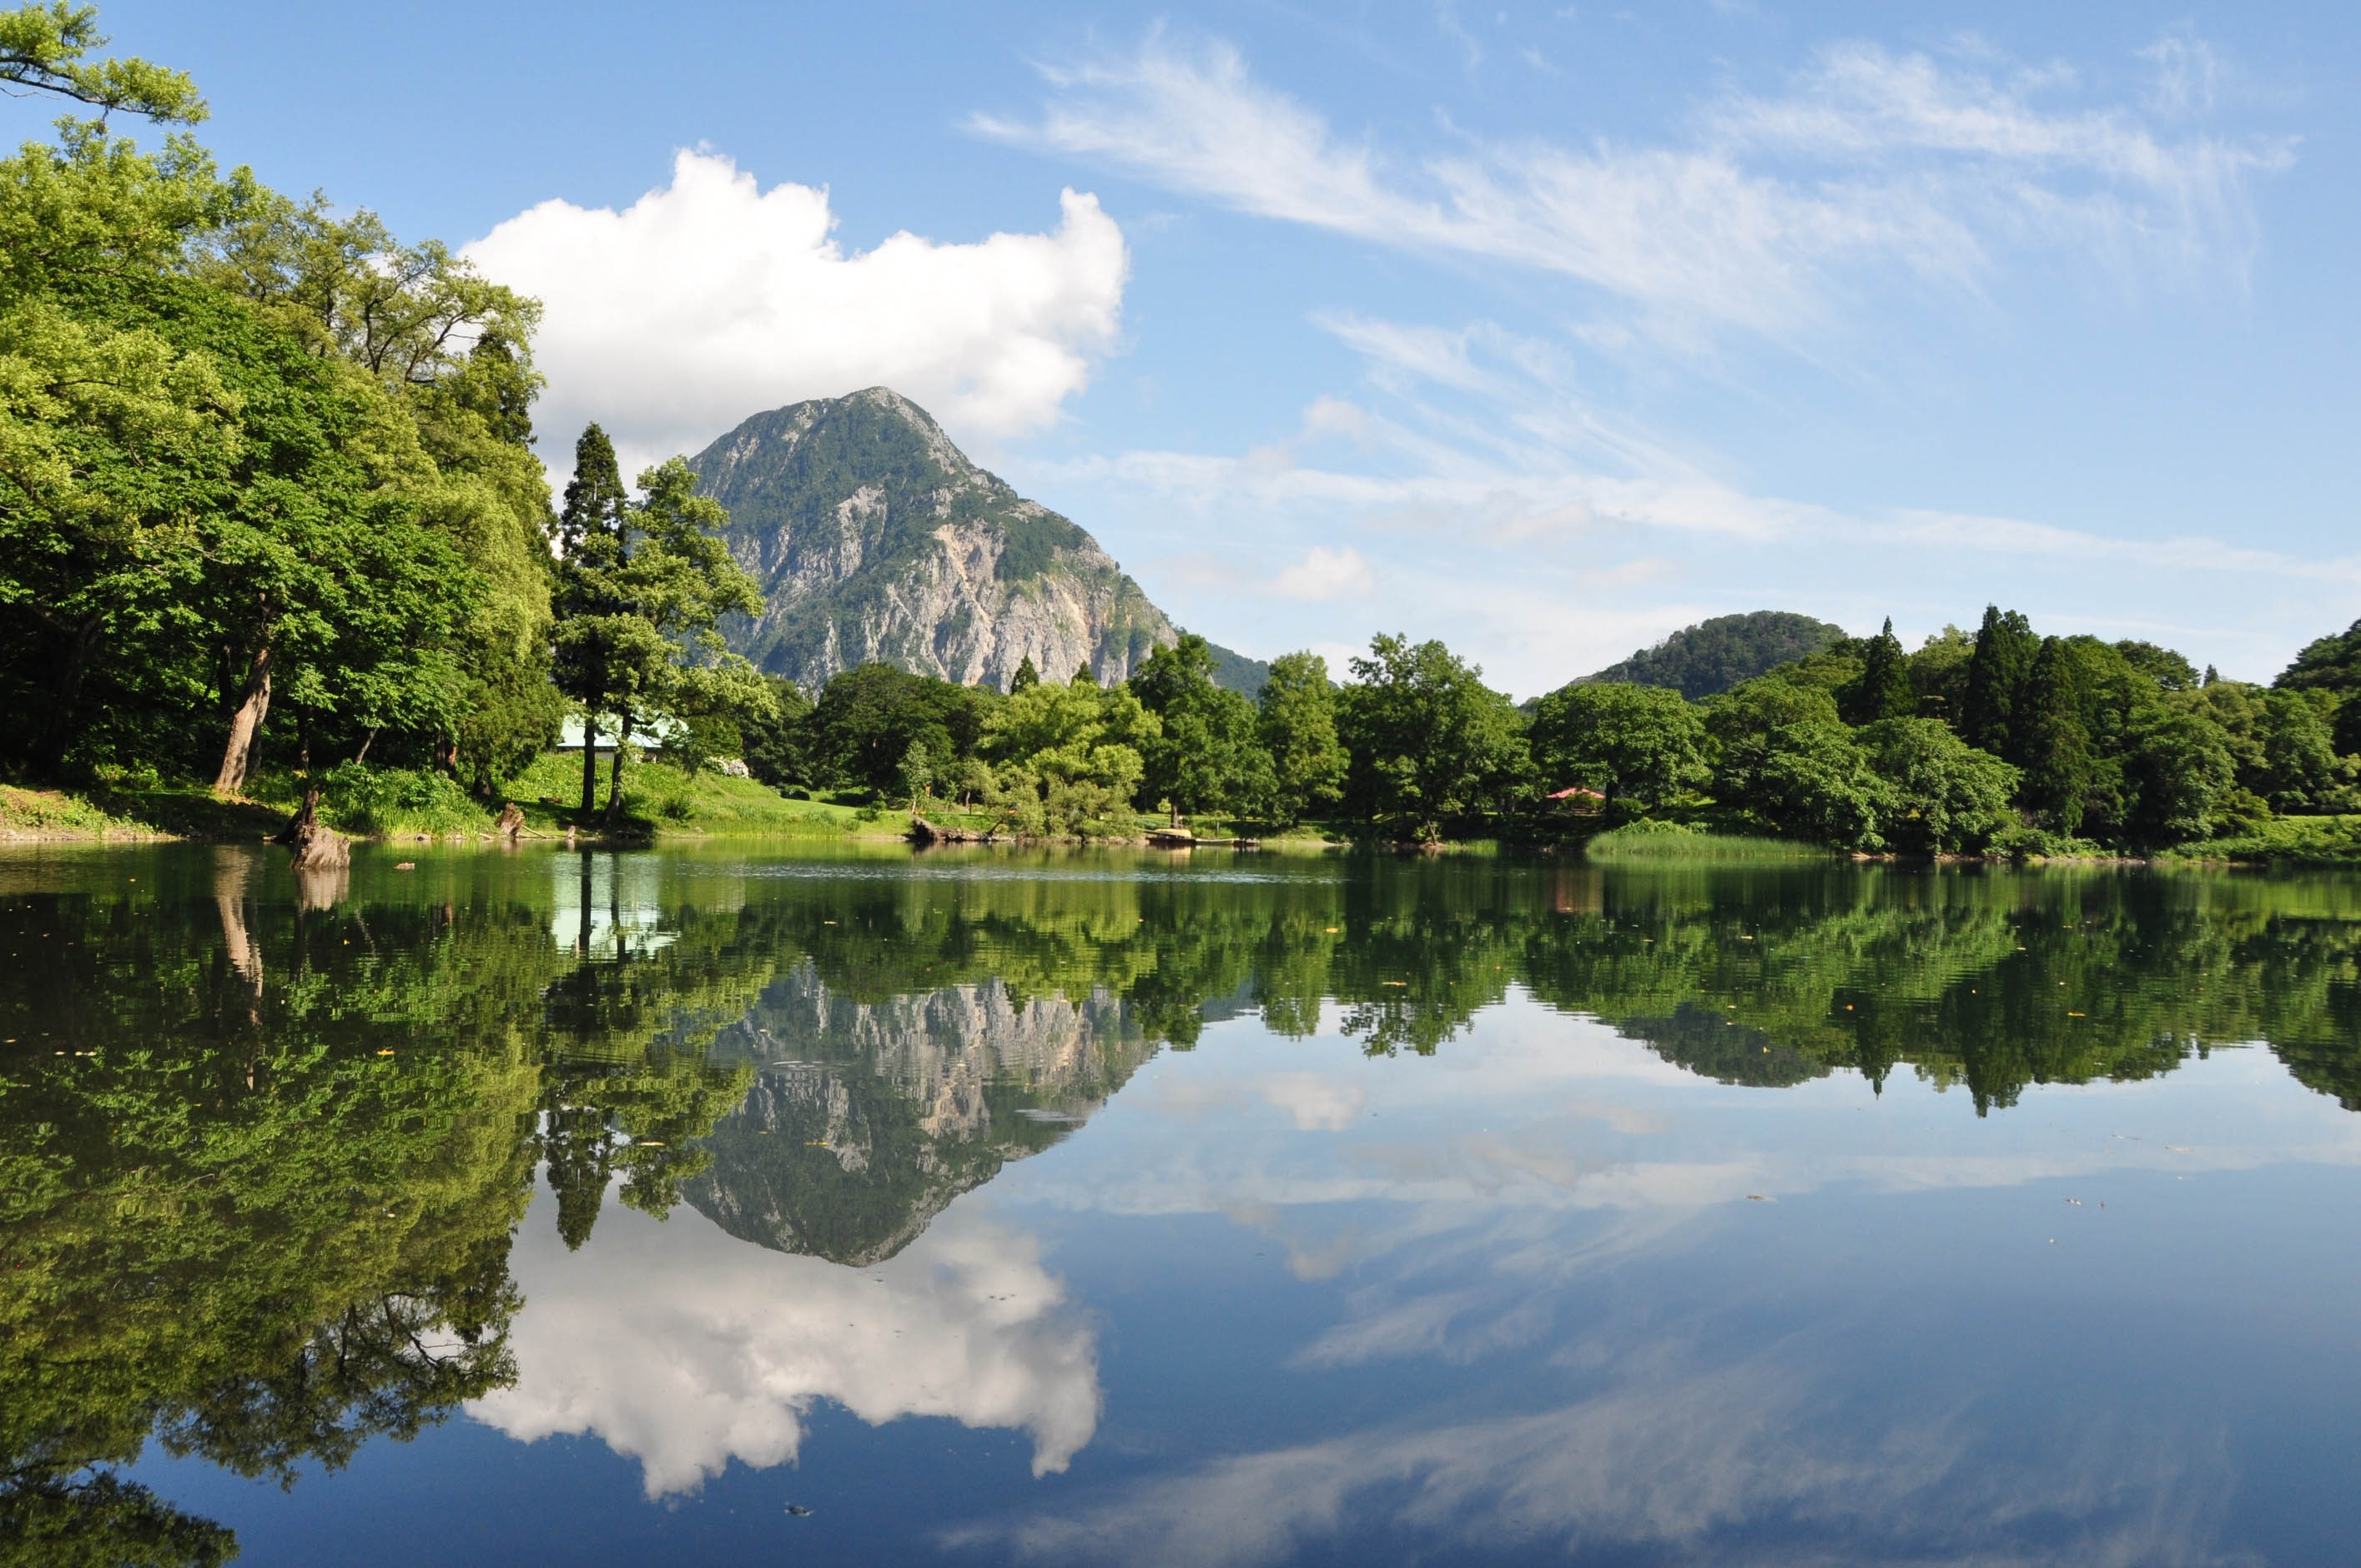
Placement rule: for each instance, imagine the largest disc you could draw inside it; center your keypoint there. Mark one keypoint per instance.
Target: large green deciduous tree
(868, 717)
(1815, 781)
(1643, 744)
(1207, 754)
(1943, 796)
(1068, 758)
(1743, 722)
(1296, 717)
(1430, 744)
(248, 453)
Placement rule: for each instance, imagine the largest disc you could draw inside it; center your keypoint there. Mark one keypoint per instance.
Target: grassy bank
(1671, 842)
(661, 799)
(2282, 840)
(397, 803)
(131, 815)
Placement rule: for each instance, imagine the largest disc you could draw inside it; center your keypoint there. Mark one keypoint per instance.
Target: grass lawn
(660, 799)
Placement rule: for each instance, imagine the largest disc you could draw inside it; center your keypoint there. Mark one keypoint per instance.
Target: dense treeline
(2003, 742)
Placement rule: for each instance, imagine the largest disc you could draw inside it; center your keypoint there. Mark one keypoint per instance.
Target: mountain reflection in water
(286, 1171)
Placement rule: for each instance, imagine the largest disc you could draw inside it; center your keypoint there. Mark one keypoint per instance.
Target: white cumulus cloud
(712, 299)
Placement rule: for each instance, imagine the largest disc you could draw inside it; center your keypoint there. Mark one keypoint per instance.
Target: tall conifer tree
(1883, 689)
(2055, 740)
(1997, 673)
(590, 547)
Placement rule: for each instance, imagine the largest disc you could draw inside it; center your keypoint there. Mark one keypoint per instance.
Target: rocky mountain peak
(874, 538)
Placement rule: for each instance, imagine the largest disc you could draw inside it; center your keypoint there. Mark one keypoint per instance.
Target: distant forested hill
(1712, 656)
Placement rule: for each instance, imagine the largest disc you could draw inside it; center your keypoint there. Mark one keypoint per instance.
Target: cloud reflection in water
(684, 1348)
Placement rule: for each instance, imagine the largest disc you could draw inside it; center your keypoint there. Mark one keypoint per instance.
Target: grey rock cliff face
(875, 539)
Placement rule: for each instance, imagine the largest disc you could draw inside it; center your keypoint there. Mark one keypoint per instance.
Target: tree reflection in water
(266, 1146)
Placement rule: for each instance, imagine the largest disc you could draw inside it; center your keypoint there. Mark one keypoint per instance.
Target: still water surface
(1108, 1208)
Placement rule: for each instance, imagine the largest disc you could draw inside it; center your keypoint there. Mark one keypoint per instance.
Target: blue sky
(1544, 330)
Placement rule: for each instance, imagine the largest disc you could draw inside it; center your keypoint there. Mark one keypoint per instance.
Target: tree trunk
(615, 775)
(589, 763)
(245, 726)
(61, 737)
(318, 847)
(366, 741)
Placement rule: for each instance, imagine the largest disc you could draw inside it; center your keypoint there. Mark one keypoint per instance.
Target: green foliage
(2330, 664)
(252, 455)
(1648, 841)
(775, 746)
(642, 584)
(1644, 744)
(1068, 758)
(1208, 753)
(868, 719)
(1816, 782)
(1030, 544)
(2168, 669)
(1297, 719)
(42, 49)
(358, 799)
(1884, 688)
(917, 773)
(1026, 675)
(1235, 672)
(1742, 724)
(2051, 736)
(1431, 745)
(1938, 674)
(1943, 796)
(2175, 771)
(1712, 656)
(1997, 671)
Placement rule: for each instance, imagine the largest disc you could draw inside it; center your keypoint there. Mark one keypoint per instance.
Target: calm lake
(729, 1206)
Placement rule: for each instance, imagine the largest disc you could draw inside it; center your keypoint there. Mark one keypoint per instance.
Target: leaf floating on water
(2073, 1014)
(1756, 1198)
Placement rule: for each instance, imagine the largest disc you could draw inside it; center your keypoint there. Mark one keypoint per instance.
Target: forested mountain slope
(1712, 656)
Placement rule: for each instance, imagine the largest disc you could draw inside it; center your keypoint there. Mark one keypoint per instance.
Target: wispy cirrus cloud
(1869, 158)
